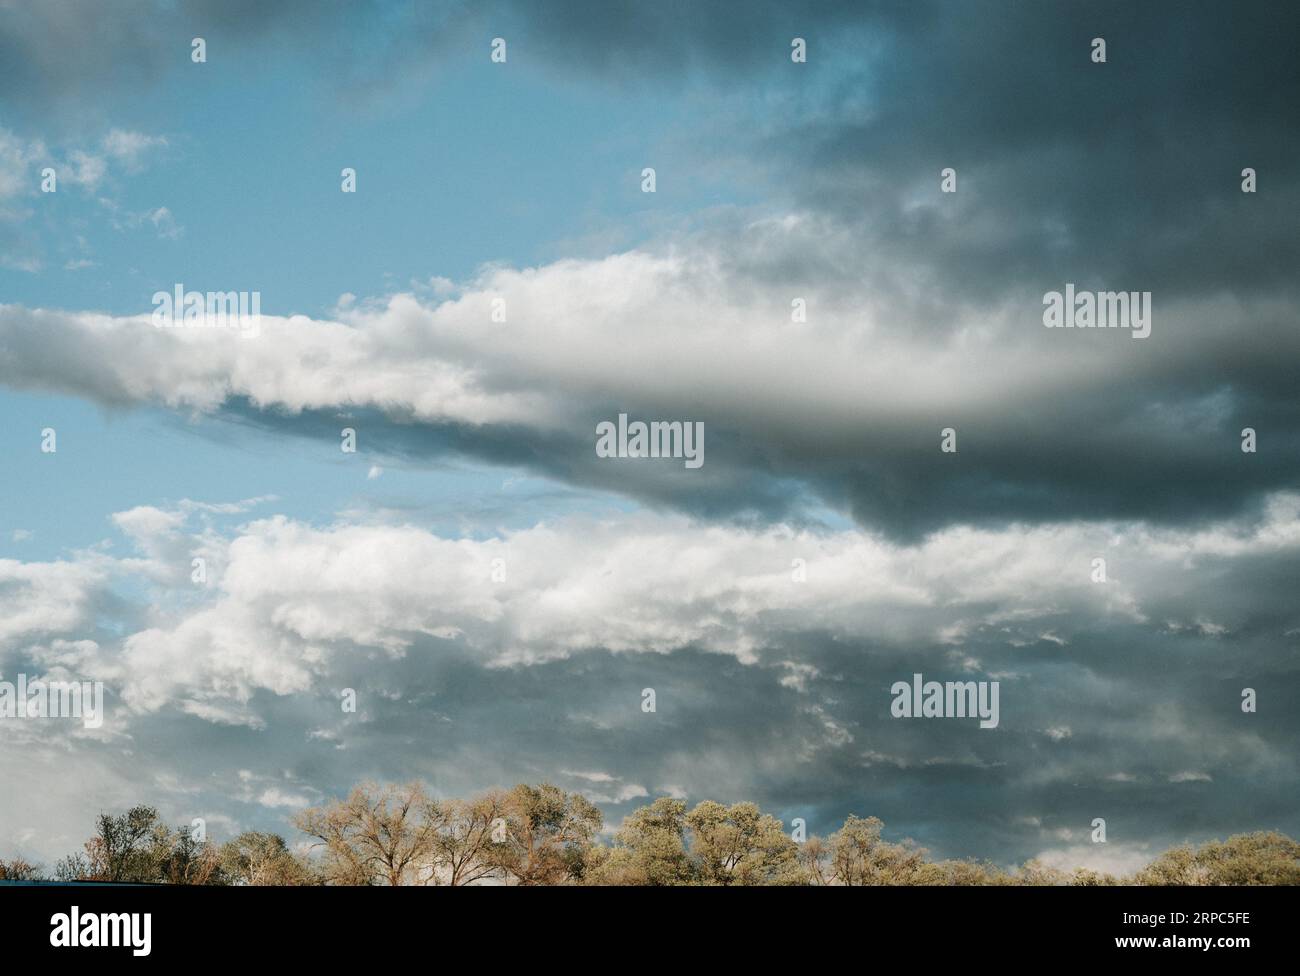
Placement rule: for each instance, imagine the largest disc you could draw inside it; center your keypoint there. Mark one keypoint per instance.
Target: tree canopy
(395, 834)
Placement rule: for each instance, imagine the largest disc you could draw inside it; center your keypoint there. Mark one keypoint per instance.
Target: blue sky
(473, 164)
(468, 164)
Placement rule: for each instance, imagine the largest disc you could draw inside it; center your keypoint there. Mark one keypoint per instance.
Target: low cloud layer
(771, 651)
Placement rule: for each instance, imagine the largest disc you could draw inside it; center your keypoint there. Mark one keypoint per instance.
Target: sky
(496, 593)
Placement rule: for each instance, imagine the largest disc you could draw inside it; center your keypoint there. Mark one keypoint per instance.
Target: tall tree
(378, 835)
(549, 835)
(649, 848)
(256, 859)
(128, 848)
(741, 845)
(469, 841)
(859, 856)
(189, 861)
(815, 861)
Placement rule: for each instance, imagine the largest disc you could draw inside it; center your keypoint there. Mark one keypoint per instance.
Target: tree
(138, 848)
(814, 860)
(258, 859)
(189, 861)
(650, 848)
(970, 874)
(128, 848)
(72, 867)
(859, 856)
(549, 835)
(1262, 858)
(542, 835)
(1036, 873)
(740, 845)
(468, 841)
(378, 835)
(19, 869)
(1086, 877)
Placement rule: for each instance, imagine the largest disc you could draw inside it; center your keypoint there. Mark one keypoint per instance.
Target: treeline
(542, 835)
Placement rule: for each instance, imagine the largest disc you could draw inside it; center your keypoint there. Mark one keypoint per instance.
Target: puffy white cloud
(45, 598)
(288, 601)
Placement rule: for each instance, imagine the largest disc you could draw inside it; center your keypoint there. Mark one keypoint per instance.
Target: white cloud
(596, 777)
(612, 788)
(275, 797)
(85, 169)
(1111, 858)
(286, 601)
(648, 328)
(49, 598)
(18, 157)
(130, 148)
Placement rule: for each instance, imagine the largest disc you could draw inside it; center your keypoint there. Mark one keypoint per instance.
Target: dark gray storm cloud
(1118, 176)
(1127, 171)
